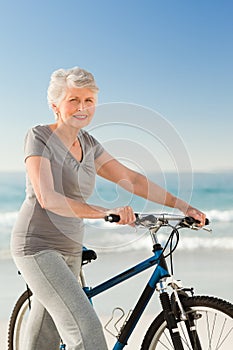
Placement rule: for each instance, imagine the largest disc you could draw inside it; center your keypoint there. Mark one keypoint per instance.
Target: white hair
(67, 78)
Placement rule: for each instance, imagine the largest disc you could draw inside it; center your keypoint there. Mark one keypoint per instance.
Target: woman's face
(77, 107)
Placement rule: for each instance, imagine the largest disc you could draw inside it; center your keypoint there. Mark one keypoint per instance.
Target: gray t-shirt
(38, 229)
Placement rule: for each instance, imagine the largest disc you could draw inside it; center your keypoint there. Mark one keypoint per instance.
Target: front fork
(169, 314)
(174, 313)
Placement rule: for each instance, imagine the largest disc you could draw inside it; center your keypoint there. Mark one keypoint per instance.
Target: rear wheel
(18, 319)
(210, 320)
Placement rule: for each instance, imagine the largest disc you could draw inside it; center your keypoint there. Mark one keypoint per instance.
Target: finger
(127, 215)
(131, 216)
(123, 215)
(201, 217)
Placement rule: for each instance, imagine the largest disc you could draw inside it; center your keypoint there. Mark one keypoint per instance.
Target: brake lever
(196, 228)
(208, 229)
(192, 224)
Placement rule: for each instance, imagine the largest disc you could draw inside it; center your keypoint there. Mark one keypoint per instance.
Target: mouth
(80, 117)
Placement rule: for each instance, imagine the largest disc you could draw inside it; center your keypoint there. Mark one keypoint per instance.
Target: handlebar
(148, 220)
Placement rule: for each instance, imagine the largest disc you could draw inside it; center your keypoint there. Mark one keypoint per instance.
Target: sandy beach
(209, 272)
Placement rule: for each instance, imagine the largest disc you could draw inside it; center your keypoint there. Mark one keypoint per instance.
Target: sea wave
(220, 215)
(111, 241)
(116, 242)
(7, 219)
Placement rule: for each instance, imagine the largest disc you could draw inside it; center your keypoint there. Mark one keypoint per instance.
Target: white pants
(60, 308)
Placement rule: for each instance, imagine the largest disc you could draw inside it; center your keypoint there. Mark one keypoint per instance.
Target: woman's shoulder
(37, 142)
(41, 128)
(38, 133)
(86, 136)
(90, 143)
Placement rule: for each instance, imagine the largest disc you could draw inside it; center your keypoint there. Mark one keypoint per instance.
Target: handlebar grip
(112, 218)
(190, 221)
(207, 221)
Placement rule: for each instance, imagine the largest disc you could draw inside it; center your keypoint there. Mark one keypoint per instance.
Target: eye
(74, 101)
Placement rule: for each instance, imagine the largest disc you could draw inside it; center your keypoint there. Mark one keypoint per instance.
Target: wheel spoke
(219, 344)
(165, 346)
(185, 337)
(209, 327)
(208, 330)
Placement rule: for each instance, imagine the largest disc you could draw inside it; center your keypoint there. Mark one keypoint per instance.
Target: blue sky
(172, 56)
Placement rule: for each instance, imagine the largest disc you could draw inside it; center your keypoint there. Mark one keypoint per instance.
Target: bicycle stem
(153, 232)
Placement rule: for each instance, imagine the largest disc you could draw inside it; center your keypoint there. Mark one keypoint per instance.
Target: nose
(81, 106)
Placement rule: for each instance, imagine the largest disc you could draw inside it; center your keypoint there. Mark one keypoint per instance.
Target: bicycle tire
(15, 328)
(213, 319)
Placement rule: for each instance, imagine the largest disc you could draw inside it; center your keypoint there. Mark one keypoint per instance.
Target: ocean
(210, 192)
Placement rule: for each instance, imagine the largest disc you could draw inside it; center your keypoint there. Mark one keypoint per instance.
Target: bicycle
(185, 322)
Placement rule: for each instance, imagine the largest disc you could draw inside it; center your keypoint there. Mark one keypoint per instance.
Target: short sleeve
(36, 144)
(98, 148)
(93, 145)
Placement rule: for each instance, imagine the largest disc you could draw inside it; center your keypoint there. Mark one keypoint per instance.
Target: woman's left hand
(196, 214)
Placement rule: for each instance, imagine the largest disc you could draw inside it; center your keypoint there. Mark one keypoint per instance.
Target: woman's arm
(109, 168)
(40, 174)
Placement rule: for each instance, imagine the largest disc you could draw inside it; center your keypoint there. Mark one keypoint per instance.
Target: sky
(158, 63)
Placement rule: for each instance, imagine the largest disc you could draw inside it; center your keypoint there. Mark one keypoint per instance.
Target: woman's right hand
(126, 214)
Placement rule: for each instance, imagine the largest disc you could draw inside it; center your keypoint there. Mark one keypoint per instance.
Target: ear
(55, 108)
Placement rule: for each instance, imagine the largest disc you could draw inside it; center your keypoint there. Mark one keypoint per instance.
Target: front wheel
(210, 320)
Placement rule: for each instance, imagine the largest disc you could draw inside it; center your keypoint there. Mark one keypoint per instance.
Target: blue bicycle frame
(160, 272)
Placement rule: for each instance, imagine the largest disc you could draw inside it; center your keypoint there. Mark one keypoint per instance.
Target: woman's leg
(41, 332)
(53, 280)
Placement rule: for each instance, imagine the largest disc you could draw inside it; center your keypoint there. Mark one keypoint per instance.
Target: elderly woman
(62, 161)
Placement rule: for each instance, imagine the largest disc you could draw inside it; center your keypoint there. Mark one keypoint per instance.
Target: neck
(67, 134)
